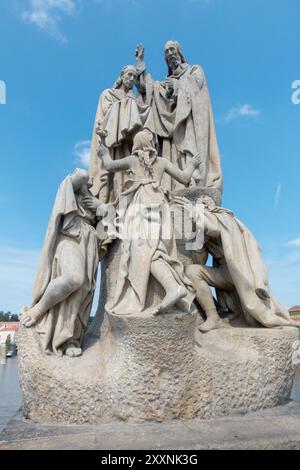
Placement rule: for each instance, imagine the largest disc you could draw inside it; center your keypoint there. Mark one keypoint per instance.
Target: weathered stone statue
(66, 278)
(151, 353)
(182, 115)
(119, 116)
(238, 273)
(147, 232)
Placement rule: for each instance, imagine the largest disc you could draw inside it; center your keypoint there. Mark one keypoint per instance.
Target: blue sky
(56, 56)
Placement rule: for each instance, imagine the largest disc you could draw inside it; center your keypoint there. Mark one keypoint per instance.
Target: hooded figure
(65, 282)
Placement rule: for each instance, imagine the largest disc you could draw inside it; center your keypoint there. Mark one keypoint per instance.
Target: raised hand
(140, 53)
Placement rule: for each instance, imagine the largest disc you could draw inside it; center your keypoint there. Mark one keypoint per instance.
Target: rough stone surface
(157, 369)
(278, 428)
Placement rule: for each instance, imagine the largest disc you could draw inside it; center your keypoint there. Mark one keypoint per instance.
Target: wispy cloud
(295, 244)
(82, 152)
(244, 110)
(277, 196)
(48, 14)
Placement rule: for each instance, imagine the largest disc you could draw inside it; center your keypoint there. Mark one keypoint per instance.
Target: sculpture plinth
(150, 208)
(155, 368)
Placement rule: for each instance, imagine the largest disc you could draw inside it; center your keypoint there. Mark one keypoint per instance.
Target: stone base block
(147, 368)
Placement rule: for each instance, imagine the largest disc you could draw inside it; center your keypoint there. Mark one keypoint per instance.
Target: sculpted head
(173, 55)
(79, 178)
(143, 140)
(127, 78)
(207, 202)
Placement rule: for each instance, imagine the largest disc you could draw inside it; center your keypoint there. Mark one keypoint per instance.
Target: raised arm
(183, 176)
(113, 165)
(141, 68)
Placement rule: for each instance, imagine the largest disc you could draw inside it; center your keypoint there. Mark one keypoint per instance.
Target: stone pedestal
(155, 368)
(147, 368)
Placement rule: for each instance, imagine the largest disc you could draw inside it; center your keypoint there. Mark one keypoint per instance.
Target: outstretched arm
(141, 68)
(183, 176)
(113, 165)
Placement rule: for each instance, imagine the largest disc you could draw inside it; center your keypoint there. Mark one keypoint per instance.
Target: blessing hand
(140, 53)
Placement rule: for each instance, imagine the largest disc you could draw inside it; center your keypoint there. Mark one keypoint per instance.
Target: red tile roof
(9, 326)
(296, 308)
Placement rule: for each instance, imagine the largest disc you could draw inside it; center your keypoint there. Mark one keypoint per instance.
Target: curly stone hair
(119, 81)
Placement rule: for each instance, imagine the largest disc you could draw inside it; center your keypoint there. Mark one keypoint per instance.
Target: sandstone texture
(157, 369)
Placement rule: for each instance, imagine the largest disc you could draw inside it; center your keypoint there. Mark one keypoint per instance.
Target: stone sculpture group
(149, 208)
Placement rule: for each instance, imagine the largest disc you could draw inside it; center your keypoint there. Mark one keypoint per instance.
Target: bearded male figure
(182, 116)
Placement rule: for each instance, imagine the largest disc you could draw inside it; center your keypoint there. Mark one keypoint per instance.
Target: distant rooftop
(9, 326)
(296, 308)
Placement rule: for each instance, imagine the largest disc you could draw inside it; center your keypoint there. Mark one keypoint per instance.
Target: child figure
(148, 242)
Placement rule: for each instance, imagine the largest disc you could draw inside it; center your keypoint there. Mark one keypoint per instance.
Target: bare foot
(211, 324)
(184, 305)
(29, 316)
(155, 310)
(170, 300)
(72, 351)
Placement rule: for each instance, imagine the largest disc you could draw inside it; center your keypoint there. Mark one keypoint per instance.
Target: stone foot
(211, 324)
(170, 300)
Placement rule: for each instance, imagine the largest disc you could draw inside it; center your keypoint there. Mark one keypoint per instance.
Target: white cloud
(82, 152)
(47, 15)
(277, 196)
(244, 110)
(295, 243)
(17, 273)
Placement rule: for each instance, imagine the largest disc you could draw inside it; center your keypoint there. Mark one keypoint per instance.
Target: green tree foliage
(8, 316)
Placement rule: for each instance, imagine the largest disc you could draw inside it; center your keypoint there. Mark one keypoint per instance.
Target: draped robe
(238, 250)
(185, 125)
(147, 235)
(121, 116)
(71, 226)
